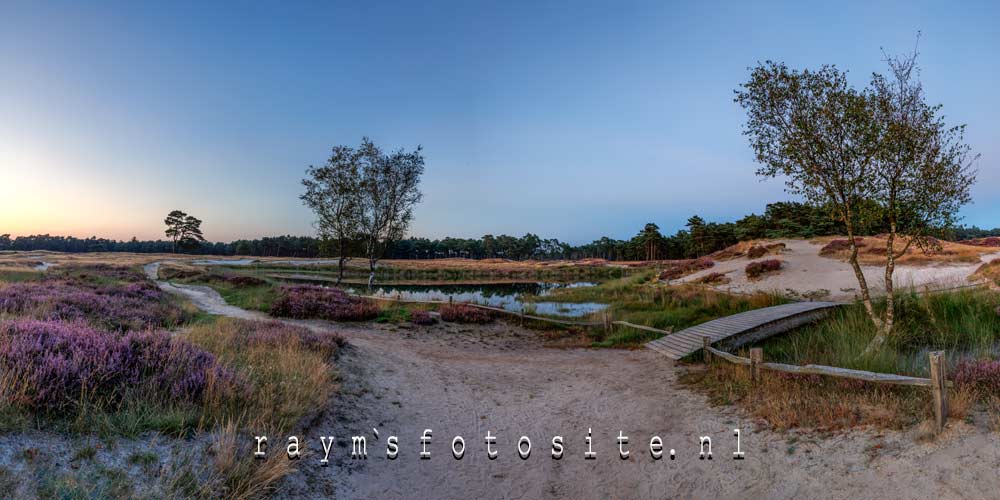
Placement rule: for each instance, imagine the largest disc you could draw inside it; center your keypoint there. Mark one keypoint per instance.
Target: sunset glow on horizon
(114, 114)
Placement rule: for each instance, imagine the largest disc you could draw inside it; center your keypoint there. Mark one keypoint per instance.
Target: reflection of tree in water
(486, 290)
(505, 295)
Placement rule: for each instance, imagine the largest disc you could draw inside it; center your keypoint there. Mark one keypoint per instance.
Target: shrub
(980, 374)
(315, 302)
(422, 318)
(759, 268)
(713, 279)
(138, 305)
(55, 366)
(756, 252)
(990, 241)
(462, 313)
(683, 268)
(176, 273)
(277, 334)
(837, 246)
(237, 281)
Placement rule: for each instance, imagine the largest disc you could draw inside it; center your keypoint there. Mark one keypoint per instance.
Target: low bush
(51, 366)
(275, 334)
(837, 246)
(979, 374)
(713, 279)
(422, 318)
(683, 268)
(758, 268)
(237, 281)
(990, 241)
(137, 305)
(462, 313)
(315, 302)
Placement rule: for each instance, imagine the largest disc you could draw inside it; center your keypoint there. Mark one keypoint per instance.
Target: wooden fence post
(756, 357)
(706, 354)
(938, 388)
(522, 315)
(607, 322)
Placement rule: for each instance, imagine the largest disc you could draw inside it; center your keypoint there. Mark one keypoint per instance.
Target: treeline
(779, 220)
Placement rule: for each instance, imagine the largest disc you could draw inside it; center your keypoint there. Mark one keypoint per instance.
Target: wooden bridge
(740, 329)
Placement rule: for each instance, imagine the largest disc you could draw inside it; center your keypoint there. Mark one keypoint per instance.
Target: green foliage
(184, 230)
(963, 323)
(393, 314)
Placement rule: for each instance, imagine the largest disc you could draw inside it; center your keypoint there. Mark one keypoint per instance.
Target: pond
(504, 295)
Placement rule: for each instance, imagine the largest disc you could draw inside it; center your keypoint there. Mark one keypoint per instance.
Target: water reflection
(506, 295)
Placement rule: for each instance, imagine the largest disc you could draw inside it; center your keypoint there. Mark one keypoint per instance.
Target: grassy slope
(635, 300)
(964, 323)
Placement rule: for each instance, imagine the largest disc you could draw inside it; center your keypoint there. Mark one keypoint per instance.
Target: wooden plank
(733, 326)
(732, 358)
(682, 345)
(643, 327)
(884, 378)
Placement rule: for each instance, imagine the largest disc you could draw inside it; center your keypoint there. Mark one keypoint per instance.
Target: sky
(571, 120)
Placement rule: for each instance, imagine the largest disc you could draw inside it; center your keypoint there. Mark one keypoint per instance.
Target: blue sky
(567, 119)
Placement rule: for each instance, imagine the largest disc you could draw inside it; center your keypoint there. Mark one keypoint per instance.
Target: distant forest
(780, 220)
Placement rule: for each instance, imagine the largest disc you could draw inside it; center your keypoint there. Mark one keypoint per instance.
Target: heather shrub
(99, 273)
(979, 374)
(52, 366)
(990, 241)
(683, 268)
(756, 252)
(422, 318)
(315, 302)
(713, 279)
(759, 268)
(177, 273)
(462, 313)
(239, 281)
(837, 246)
(138, 305)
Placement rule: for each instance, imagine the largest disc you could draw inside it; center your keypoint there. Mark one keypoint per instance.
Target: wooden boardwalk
(734, 331)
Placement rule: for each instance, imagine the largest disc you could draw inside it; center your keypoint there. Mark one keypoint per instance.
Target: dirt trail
(465, 381)
(204, 297)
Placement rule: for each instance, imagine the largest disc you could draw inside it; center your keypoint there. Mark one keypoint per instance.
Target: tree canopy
(876, 156)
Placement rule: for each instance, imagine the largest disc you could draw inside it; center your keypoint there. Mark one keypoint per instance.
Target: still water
(505, 295)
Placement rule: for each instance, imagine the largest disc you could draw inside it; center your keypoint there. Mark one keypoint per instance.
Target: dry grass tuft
(786, 401)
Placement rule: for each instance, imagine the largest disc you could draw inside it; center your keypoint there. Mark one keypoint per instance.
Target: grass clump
(963, 323)
(788, 401)
(636, 301)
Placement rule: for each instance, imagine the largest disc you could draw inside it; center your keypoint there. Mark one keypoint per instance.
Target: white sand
(806, 271)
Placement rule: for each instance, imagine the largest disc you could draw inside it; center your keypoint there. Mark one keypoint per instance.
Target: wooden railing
(937, 381)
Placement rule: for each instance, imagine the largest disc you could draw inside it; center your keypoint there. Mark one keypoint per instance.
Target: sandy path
(499, 378)
(806, 271)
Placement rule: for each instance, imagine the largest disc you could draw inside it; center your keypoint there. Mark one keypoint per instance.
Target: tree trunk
(866, 297)
(341, 261)
(885, 328)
